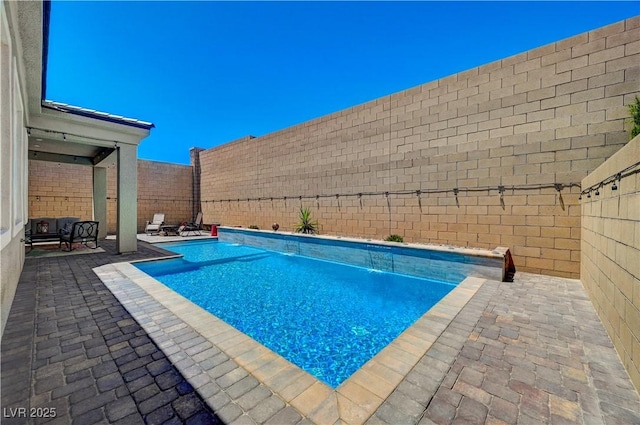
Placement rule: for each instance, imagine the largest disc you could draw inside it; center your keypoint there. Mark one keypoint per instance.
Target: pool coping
(152, 304)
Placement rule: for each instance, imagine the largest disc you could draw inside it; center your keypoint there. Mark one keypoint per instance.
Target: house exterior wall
(610, 267)
(65, 190)
(13, 160)
(549, 115)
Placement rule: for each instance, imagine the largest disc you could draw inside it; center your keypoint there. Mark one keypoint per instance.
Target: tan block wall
(549, 115)
(610, 268)
(162, 188)
(61, 190)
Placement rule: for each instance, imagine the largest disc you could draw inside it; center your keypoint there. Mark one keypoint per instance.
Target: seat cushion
(65, 224)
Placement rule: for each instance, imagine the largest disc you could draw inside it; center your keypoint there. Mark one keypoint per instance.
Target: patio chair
(81, 232)
(154, 225)
(194, 228)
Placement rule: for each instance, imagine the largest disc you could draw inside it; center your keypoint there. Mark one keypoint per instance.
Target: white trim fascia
(96, 132)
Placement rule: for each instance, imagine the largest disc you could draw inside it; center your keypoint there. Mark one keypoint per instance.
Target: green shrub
(254, 227)
(394, 238)
(634, 111)
(306, 225)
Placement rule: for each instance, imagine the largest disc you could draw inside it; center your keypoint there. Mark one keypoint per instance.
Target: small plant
(634, 111)
(254, 227)
(394, 238)
(306, 225)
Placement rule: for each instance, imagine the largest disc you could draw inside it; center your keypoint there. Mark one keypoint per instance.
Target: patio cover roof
(71, 134)
(64, 133)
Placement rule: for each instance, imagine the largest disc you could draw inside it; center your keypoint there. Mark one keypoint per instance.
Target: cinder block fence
(610, 266)
(497, 154)
(65, 190)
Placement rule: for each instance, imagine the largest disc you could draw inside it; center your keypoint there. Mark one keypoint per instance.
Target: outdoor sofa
(69, 230)
(47, 229)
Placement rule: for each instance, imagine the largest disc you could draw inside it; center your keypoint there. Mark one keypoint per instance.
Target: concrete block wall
(610, 267)
(549, 115)
(61, 190)
(162, 188)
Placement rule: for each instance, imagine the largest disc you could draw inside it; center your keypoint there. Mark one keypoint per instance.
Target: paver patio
(525, 352)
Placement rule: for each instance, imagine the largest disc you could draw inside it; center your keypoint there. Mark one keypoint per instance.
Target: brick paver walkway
(70, 350)
(528, 352)
(531, 351)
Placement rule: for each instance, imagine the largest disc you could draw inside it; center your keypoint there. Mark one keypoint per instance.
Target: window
(6, 154)
(19, 143)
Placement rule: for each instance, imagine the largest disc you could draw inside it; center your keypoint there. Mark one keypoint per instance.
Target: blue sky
(207, 73)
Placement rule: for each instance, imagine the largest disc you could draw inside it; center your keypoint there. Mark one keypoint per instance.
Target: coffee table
(170, 228)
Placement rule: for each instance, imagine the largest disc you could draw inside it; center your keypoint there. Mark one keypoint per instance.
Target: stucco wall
(12, 261)
(610, 268)
(61, 190)
(13, 154)
(550, 115)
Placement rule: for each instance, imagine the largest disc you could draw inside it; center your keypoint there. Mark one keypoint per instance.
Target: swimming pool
(328, 318)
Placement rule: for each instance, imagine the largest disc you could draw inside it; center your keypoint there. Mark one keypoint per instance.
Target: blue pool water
(327, 318)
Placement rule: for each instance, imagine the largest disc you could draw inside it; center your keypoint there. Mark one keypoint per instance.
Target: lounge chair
(154, 226)
(192, 229)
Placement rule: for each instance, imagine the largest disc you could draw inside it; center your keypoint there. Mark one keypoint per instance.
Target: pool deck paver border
(531, 351)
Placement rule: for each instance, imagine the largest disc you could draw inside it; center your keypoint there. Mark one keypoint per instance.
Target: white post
(100, 200)
(127, 199)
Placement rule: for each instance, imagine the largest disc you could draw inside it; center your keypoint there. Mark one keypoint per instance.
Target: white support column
(127, 199)
(100, 200)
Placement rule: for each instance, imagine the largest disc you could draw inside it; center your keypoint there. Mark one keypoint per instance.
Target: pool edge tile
(315, 399)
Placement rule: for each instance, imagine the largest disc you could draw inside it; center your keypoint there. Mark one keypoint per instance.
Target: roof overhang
(92, 113)
(57, 134)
